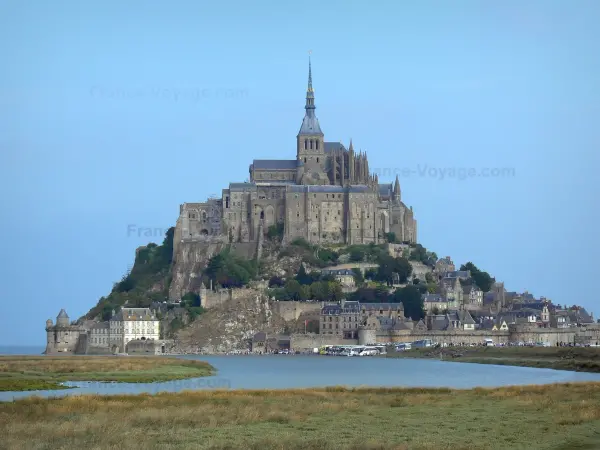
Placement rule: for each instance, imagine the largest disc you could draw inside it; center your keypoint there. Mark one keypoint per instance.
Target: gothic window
(305, 147)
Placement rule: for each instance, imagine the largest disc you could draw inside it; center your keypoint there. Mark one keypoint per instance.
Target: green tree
(483, 280)
(358, 276)
(190, 300)
(302, 277)
(275, 231)
(412, 301)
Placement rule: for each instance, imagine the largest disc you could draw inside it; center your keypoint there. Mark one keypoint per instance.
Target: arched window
(317, 144)
(305, 144)
(311, 144)
(304, 159)
(317, 159)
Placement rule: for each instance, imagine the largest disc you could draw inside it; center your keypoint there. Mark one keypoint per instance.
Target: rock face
(190, 259)
(230, 326)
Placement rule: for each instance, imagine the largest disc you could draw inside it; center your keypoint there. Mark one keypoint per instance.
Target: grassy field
(564, 416)
(25, 373)
(580, 359)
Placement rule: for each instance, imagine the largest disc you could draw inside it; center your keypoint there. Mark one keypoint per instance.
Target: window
(304, 159)
(305, 147)
(317, 144)
(317, 159)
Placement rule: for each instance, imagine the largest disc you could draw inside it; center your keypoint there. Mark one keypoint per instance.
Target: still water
(300, 371)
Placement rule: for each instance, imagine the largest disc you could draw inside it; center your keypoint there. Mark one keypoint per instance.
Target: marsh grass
(579, 359)
(18, 373)
(532, 417)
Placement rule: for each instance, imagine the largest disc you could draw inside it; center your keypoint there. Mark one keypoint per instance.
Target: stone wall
(444, 337)
(310, 341)
(291, 311)
(145, 347)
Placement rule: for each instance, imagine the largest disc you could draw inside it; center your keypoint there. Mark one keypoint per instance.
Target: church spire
(310, 124)
(310, 93)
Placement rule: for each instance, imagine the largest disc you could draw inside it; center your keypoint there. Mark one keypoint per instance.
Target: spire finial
(310, 88)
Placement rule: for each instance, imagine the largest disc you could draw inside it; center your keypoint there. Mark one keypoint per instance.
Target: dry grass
(43, 372)
(562, 416)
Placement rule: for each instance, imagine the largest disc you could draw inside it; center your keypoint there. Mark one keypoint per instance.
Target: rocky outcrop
(230, 326)
(190, 259)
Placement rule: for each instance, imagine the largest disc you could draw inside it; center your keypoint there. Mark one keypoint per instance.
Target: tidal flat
(26, 373)
(578, 359)
(561, 416)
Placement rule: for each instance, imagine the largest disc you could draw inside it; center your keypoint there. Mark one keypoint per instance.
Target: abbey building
(325, 195)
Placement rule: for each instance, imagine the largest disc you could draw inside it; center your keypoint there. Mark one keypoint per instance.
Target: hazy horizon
(113, 114)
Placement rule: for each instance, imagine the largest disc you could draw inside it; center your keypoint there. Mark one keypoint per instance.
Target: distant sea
(21, 350)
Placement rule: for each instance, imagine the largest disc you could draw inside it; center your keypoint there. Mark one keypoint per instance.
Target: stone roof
(274, 164)
(62, 314)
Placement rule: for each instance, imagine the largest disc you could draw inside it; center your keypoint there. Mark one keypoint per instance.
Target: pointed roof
(310, 123)
(62, 314)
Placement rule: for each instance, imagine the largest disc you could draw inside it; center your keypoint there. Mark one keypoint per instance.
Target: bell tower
(310, 142)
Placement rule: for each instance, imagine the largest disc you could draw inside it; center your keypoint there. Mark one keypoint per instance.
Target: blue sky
(114, 113)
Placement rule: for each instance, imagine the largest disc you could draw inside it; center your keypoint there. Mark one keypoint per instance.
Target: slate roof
(329, 189)
(458, 274)
(385, 190)
(331, 146)
(241, 186)
(433, 298)
(310, 126)
(379, 306)
(337, 272)
(466, 318)
(439, 322)
(274, 164)
(62, 314)
(261, 336)
(133, 314)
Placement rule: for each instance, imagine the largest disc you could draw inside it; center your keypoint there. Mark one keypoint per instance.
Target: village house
(431, 302)
(472, 295)
(452, 292)
(444, 265)
(344, 276)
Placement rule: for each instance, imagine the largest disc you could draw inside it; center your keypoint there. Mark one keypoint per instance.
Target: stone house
(466, 321)
(433, 301)
(452, 292)
(472, 295)
(444, 265)
(344, 276)
(345, 318)
(264, 343)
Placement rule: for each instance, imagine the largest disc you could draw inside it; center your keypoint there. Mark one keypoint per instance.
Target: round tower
(62, 320)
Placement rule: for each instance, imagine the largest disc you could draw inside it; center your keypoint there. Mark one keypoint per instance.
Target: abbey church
(325, 195)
